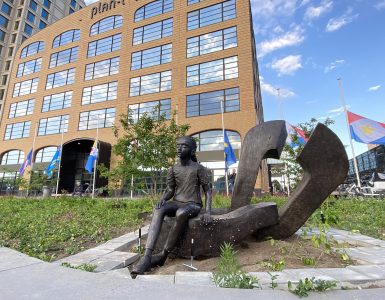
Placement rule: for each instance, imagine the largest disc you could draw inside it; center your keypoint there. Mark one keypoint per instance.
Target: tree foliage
(291, 151)
(144, 147)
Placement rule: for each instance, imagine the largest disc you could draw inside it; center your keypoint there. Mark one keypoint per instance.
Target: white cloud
(269, 89)
(88, 2)
(290, 38)
(269, 8)
(374, 88)
(313, 12)
(335, 112)
(334, 65)
(287, 65)
(380, 5)
(336, 23)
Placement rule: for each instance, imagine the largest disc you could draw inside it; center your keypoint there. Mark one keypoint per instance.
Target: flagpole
(224, 154)
(59, 167)
(350, 135)
(280, 113)
(95, 162)
(33, 149)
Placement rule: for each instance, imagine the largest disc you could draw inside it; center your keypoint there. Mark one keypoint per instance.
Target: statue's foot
(143, 265)
(158, 260)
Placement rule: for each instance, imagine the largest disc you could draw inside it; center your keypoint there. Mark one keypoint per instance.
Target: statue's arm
(170, 189)
(206, 217)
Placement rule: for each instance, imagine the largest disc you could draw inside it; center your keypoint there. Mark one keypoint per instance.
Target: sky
(304, 46)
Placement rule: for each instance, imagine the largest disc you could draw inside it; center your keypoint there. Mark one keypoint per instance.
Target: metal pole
(132, 186)
(95, 162)
(59, 167)
(280, 112)
(33, 149)
(350, 135)
(224, 154)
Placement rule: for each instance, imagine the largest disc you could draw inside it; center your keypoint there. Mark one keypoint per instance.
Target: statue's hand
(160, 203)
(206, 219)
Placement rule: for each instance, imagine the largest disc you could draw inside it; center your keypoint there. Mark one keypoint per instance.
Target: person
(232, 177)
(184, 180)
(78, 190)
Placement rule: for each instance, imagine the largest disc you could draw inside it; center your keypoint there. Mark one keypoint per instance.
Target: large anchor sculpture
(325, 166)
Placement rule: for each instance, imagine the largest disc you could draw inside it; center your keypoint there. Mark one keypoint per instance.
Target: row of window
(196, 105)
(199, 18)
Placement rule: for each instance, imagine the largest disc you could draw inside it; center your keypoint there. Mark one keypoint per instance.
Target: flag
(27, 162)
(92, 158)
(292, 130)
(54, 163)
(229, 152)
(366, 131)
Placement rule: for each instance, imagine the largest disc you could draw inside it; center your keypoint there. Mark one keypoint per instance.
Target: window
(25, 87)
(45, 154)
(44, 14)
(13, 157)
(210, 15)
(153, 109)
(42, 25)
(148, 84)
(61, 78)
(7, 65)
(66, 38)
(22, 108)
(212, 42)
(216, 70)
(57, 101)
(53, 125)
(102, 68)
(210, 103)
(154, 8)
(101, 118)
(17, 130)
(213, 140)
(4, 79)
(189, 2)
(32, 49)
(47, 4)
(5, 8)
(2, 35)
(64, 57)
(29, 67)
(31, 17)
(33, 5)
(106, 45)
(71, 11)
(10, 51)
(28, 29)
(4, 21)
(151, 32)
(8, 181)
(100, 93)
(151, 57)
(106, 24)
(73, 3)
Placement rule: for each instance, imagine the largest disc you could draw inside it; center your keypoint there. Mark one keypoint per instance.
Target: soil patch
(292, 253)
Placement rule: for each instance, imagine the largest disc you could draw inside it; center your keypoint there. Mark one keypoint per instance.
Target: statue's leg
(168, 209)
(183, 214)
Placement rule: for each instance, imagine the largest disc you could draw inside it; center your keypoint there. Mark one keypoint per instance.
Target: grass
(52, 228)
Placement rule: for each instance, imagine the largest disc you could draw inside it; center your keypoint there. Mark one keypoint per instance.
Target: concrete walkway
(24, 277)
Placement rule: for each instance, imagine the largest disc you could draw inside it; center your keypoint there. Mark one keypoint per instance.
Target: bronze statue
(184, 180)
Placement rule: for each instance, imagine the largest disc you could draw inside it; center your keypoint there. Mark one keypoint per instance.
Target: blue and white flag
(92, 158)
(229, 152)
(54, 163)
(27, 162)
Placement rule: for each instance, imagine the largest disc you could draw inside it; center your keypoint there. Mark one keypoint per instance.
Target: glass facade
(151, 57)
(29, 67)
(32, 49)
(64, 57)
(25, 87)
(17, 130)
(67, 37)
(105, 45)
(369, 162)
(212, 71)
(100, 93)
(13, 157)
(152, 83)
(154, 8)
(93, 119)
(106, 24)
(22, 108)
(45, 154)
(61, 78)
(102, 68)
(151, 32)
(210, 103)
(152, 108)
(53, 125)
(57, 101)
(213, 140)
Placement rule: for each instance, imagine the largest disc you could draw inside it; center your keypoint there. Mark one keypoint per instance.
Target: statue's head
(186, 147)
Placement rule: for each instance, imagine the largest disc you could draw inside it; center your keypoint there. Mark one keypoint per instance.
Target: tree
(293, 170)
(144, 148)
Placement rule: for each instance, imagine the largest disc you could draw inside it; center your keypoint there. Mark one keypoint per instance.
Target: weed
(274, 265)
(307, 285)
(308, 261)
(273, 283)
(83, 267)
(229, 273)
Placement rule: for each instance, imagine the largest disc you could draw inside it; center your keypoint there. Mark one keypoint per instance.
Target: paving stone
(265, 279)
(166, 279)
(114, 260)
(107, 265)
(373, 271)
(194, 278)
(294, 275)
(345, 275)
(121, 273)
(10, 259)
(377, 257)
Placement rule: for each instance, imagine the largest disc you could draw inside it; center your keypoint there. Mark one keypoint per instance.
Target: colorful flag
(229, 152)
(54, 163)
(292, 130)
(27, 162)
(366, 131)
(92, 158)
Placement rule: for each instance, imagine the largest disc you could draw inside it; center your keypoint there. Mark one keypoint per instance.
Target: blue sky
(305, 45)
